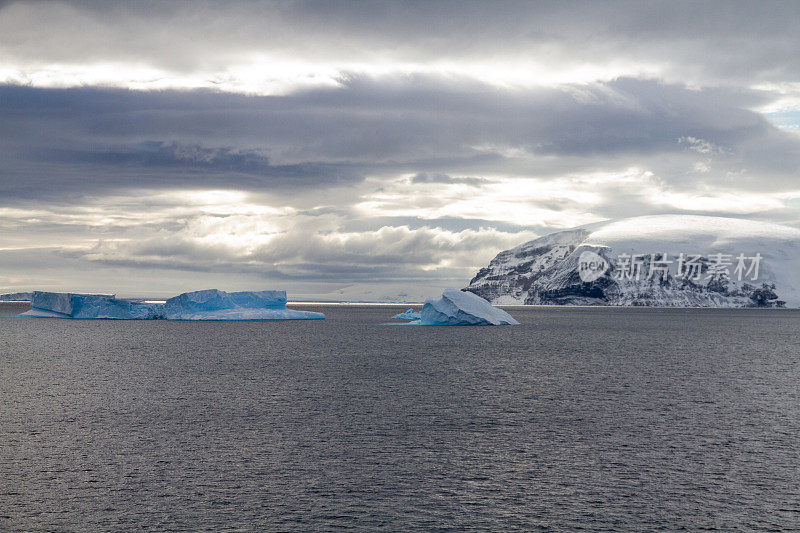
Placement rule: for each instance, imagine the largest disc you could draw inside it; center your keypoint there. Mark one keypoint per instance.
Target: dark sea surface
(580, 418)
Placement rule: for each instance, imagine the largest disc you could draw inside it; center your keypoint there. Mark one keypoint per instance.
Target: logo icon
(591, 266)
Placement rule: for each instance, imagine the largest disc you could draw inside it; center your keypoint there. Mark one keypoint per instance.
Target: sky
(374, 151)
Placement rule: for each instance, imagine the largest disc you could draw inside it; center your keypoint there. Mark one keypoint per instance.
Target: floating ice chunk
(458, 308)
(409, 314)
(69, 305)
(213, 304)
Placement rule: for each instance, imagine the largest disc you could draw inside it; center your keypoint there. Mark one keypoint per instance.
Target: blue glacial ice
(213, 304)
(90, 307)
(459, 308)
(409, 314)
(210, 304)
(69, 305)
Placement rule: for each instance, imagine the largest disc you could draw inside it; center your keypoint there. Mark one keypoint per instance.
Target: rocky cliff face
(665, 260)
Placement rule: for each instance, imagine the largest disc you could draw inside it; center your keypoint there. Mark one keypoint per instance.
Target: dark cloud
(88, 140)
(712, 41)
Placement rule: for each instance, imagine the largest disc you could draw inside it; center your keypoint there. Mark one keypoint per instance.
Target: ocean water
(595, 419)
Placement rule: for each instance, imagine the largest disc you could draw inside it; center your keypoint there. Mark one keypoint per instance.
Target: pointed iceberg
(409, 314)
(458, 308)
(213, 304)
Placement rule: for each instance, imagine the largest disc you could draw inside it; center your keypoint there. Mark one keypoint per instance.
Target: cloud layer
(277, 46)
(368, 151)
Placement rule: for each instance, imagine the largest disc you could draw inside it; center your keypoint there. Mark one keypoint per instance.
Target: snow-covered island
(211, 304)
(459, 308)
(15, 297)
(663, 260)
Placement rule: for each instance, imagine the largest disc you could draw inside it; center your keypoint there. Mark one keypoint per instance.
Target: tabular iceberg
(209, 304)
(69, 305)
(409, 314)
(213, 304)
(458, 308)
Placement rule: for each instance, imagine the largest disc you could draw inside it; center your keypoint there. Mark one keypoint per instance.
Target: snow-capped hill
(662, 260)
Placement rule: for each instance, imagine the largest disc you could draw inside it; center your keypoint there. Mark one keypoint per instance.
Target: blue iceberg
(114, 308)
(459, 308)
(409, 314)
(210, 304)
(70, 305)
(213, 304)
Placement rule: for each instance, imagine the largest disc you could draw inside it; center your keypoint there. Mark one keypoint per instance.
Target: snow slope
(546, 270)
